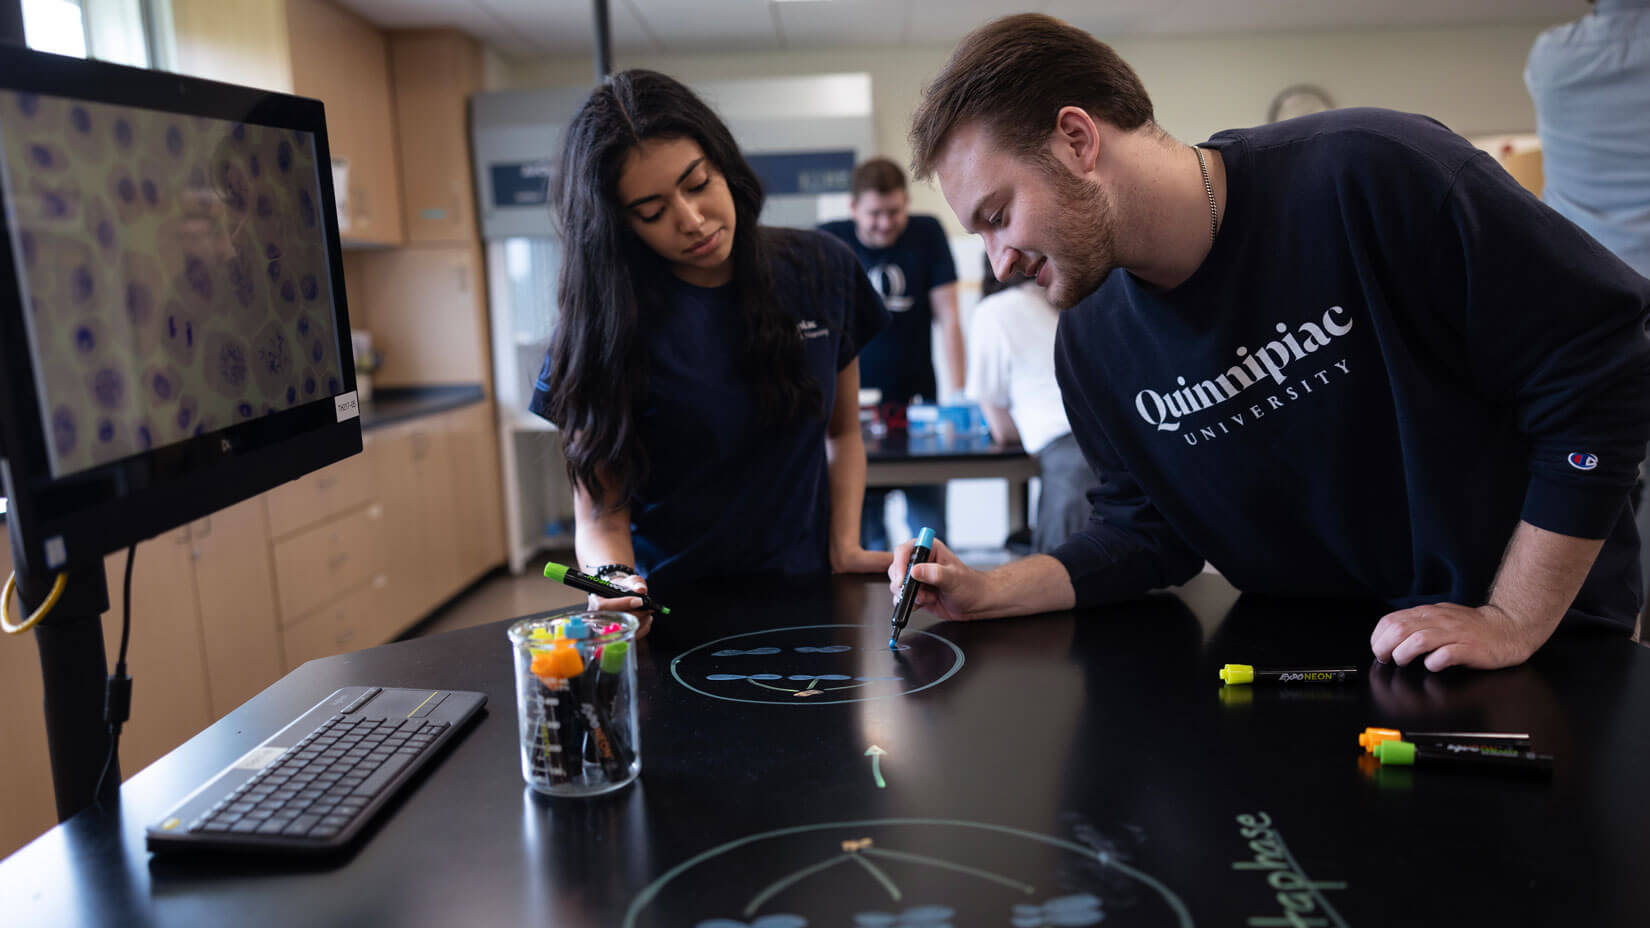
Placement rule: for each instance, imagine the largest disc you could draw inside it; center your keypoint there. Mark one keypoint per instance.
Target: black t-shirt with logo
(900, 361)
(727, 494)
(1392, 355)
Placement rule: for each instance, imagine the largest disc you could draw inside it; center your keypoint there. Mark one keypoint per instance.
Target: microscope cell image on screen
(175, 269)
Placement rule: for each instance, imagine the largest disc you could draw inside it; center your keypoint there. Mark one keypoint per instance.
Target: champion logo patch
(1581, 460)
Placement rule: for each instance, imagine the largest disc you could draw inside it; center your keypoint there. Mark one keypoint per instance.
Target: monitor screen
(174, 270)
(172, 320)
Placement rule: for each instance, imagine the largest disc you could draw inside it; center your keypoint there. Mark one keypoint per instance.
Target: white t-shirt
(1011, 363)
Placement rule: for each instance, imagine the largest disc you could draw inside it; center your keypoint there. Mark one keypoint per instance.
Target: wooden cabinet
(415, 481)
(317, 565)
(426, 305)
(165, 656)
(234, 41)
(434, 72)
(27, 804)
(347, 624)
(313, 48)
(202, 641)
(235, 587)
(480, 531)
(390, 454)
(343, 61)
(318, 496)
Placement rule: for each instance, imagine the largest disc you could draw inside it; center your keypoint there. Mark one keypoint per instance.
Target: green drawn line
(632, 915)
(881, 877)
(775, 888)
(876, 771)
(847, 687)
(776, 689)
(946, 864)
(811, 683)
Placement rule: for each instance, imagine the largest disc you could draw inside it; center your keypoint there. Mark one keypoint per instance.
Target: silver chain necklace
(1214, 215)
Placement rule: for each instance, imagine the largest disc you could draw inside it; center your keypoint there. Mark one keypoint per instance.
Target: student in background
(909, 262)
(703, 370)
(1343, 354)
(1590, 80)
(1011, 376)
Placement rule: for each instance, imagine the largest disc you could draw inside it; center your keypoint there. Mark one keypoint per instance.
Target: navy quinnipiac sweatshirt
(1391, 356)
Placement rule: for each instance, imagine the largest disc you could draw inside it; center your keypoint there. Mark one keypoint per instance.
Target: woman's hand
(857, 560)
(630, 604)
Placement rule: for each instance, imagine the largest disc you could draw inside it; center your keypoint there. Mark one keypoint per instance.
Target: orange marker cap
(1374, 736)
(561, 662)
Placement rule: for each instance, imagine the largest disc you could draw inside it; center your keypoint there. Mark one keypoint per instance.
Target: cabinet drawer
(317, 565)
(319, 496)
(345, 625)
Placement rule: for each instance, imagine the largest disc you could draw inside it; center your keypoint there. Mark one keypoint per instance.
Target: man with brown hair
(1342, 354)
(909, 262)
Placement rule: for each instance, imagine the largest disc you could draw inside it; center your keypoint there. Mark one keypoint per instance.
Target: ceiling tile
(843, 23)
(709, 25)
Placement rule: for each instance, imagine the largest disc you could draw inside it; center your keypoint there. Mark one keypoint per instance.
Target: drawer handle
(337, 561)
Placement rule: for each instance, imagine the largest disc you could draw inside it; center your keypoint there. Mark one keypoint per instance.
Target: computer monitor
(173, 330)
(173, 339)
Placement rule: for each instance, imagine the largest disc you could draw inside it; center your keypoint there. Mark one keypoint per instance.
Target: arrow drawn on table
(875, 753)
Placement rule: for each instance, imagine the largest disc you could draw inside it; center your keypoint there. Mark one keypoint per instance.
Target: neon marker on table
(589, 584)
(908, 589)
(1244, 673)
(1482, 756)
(1370, 738)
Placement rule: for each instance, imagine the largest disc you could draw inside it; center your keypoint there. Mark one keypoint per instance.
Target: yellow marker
(1244, 673)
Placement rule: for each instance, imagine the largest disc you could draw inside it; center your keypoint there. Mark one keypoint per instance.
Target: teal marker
(908, 589)
(582, 581)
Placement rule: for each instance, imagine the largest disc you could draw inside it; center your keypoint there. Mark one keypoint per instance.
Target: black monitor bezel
(108, 507)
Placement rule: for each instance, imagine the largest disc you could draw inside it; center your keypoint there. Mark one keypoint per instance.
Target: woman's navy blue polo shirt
(727, 494)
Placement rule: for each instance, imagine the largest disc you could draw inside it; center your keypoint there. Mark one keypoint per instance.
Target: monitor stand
(73, 668)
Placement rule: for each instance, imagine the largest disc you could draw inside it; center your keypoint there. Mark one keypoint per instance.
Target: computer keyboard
(313, 786)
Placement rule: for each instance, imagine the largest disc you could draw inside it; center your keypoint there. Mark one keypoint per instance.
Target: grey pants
(1063, 507)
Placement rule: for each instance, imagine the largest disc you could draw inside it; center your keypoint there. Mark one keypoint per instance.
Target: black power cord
(117, 691)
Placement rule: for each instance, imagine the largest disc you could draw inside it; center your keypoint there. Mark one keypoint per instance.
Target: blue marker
(908, 589)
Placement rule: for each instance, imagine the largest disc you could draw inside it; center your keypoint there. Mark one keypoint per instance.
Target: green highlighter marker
(582, 581)
(1483, 756)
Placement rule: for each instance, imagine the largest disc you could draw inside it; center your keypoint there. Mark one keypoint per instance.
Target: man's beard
(1083, 240)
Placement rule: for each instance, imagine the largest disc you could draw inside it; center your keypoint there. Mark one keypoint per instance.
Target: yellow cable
(33, 620)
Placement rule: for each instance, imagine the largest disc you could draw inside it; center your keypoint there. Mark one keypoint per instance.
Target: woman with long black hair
(703, 370)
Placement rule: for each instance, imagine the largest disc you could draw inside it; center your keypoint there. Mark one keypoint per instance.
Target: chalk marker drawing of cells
(905, 873)
(816, 665)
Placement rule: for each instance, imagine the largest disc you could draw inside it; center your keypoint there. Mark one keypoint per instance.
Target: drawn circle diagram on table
(904, 873)
(816, 665)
